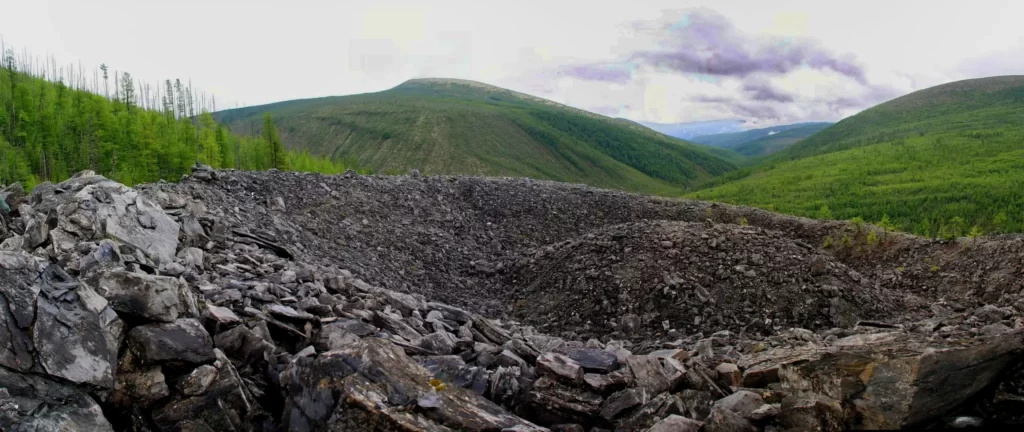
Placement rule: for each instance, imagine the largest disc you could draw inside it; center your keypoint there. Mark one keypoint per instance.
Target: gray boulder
(155, 298)
(183, 341)
(94, 207)
(371, 385)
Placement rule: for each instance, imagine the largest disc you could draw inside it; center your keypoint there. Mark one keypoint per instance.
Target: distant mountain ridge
(735, 139)
(448, 126)
(693, 129)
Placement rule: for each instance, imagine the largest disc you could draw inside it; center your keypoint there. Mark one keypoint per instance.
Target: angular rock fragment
(723, 420)
(742, 402)
(560, 367)
(594, 359)
(622, 401)
(75, 335)
(375, 382)
(550, 402)
(675, 423)
(183, 341)
(155, 298)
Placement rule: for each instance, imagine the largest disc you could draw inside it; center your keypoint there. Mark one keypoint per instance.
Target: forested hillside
(944, 161)
(442, 126)
(736, 139)
(57, 120)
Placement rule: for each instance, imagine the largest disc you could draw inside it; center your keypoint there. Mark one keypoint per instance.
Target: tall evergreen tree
(278, 157)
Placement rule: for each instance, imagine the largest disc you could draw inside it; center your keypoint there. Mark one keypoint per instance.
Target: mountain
(777, 141)
(936, 162)
(443, 126)
(695, 129)
(733, 140)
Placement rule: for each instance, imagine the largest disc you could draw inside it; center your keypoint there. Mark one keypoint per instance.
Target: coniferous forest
(56, 120)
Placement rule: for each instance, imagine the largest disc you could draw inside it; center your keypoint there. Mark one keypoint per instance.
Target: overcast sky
(664, 61)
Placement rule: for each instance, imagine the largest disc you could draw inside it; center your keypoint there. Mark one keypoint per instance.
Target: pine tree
(278, 157)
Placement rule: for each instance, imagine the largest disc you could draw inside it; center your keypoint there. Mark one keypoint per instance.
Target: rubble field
(272, 301)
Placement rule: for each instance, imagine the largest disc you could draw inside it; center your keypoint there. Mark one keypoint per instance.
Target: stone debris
(174, 307)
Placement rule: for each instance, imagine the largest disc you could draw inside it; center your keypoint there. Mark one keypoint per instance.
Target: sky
(666, 61)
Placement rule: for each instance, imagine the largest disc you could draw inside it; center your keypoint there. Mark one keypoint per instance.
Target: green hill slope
(733, 140)
(776, 142)
(937, 162)
(454, 126)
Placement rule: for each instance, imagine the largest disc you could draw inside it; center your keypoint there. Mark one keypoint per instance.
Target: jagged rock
(607, 383)
(696, 404)
(76, 335)
(491, 332)
(723, 420)
(675, 423)
(138, 385)
(183, 341)
(522, 349)
(395, 325)
(897, 375)
(145, 296)
(334, 336)
(198, 380)
(290, 313)
(172, 269)
(504, 385)
(623, 400)
(367, 386)
(549, 402)
(39, 404)
(220, 315)
(764, 413)
(195, 235)
(811, 413)
(439, 343)
(450, 312)
(36, 233)
(192, 257)
(105, 256)
(405, 303)
(242, 343)
(651, 412)
(651, 374)
(594, 359)
(452, 370)
(227, 404)
(677, 354)
(95, 208)
(12, 244)
(728, 374)
(560, 367)
(742, 402)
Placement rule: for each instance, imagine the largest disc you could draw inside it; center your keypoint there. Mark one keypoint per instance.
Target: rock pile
(660, 279)
(169, 309)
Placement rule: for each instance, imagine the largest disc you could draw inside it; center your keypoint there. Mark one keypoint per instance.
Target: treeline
(55, 121)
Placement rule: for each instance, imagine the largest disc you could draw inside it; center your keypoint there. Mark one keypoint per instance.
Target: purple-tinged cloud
(616, 73)
(763, 91)
(701, 41)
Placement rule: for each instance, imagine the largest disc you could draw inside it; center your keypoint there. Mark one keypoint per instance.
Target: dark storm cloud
(701, 41)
